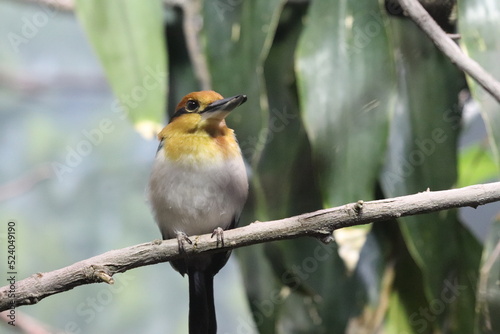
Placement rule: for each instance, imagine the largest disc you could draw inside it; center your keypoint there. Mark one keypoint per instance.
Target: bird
(199, 185)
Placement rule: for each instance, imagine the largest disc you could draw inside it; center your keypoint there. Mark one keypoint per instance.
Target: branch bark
(318, 224)
(419, 15)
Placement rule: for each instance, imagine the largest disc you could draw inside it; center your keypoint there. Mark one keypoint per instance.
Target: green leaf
(478, 26)
(422, 155)
(321, 289)
(182, 79)
(287, 152)
(262, 288)
(475, 165)
(127, 35)
(397, 318)
(285, 155)
(342, 54)
(347, 87)
(408, 302)
(237, 36)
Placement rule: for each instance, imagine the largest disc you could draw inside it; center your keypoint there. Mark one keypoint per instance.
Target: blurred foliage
(488, 295)
(477, 19)
(128, 38)
(347, 100)
(476, 165)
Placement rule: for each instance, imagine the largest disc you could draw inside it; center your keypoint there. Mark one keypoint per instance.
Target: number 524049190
(11, 245)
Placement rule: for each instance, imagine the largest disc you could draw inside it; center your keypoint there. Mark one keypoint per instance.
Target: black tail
(201, 303)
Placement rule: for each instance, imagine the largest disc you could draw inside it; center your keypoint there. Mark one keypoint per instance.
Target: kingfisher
(199, 185)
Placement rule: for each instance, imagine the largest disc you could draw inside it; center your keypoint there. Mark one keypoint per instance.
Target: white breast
(196, 198)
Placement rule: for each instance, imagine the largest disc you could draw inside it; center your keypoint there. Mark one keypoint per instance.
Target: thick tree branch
(319, 224)
(419, 15)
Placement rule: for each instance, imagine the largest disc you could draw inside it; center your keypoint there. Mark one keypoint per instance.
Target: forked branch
(419, 15)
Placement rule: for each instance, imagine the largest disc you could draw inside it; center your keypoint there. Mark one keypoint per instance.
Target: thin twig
(318, 224)
(419, 15)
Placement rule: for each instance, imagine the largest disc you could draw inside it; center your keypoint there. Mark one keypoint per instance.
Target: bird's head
(204, 111)
(197, 131)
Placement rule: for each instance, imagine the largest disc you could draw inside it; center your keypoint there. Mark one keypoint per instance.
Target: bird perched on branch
(199, 185)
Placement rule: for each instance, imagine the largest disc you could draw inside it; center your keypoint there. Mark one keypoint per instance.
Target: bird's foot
(181, 238)
(219, 232)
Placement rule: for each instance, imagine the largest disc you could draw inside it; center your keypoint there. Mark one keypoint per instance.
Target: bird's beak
(221, 108)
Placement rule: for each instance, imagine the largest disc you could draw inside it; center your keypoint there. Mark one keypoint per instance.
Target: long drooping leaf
(237, 36)
(478, 25)
(347, 88)
(286, 156)
(127, 35)
(342, 55)
(422, 155)
(287, 153)
(407, 295)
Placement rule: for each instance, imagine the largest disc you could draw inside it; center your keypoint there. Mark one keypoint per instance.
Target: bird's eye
(192, 105)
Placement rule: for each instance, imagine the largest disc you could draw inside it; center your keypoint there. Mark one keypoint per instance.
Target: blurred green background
(347, 100)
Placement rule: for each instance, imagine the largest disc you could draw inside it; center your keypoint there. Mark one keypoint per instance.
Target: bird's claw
(219, 232)
(181, 238)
